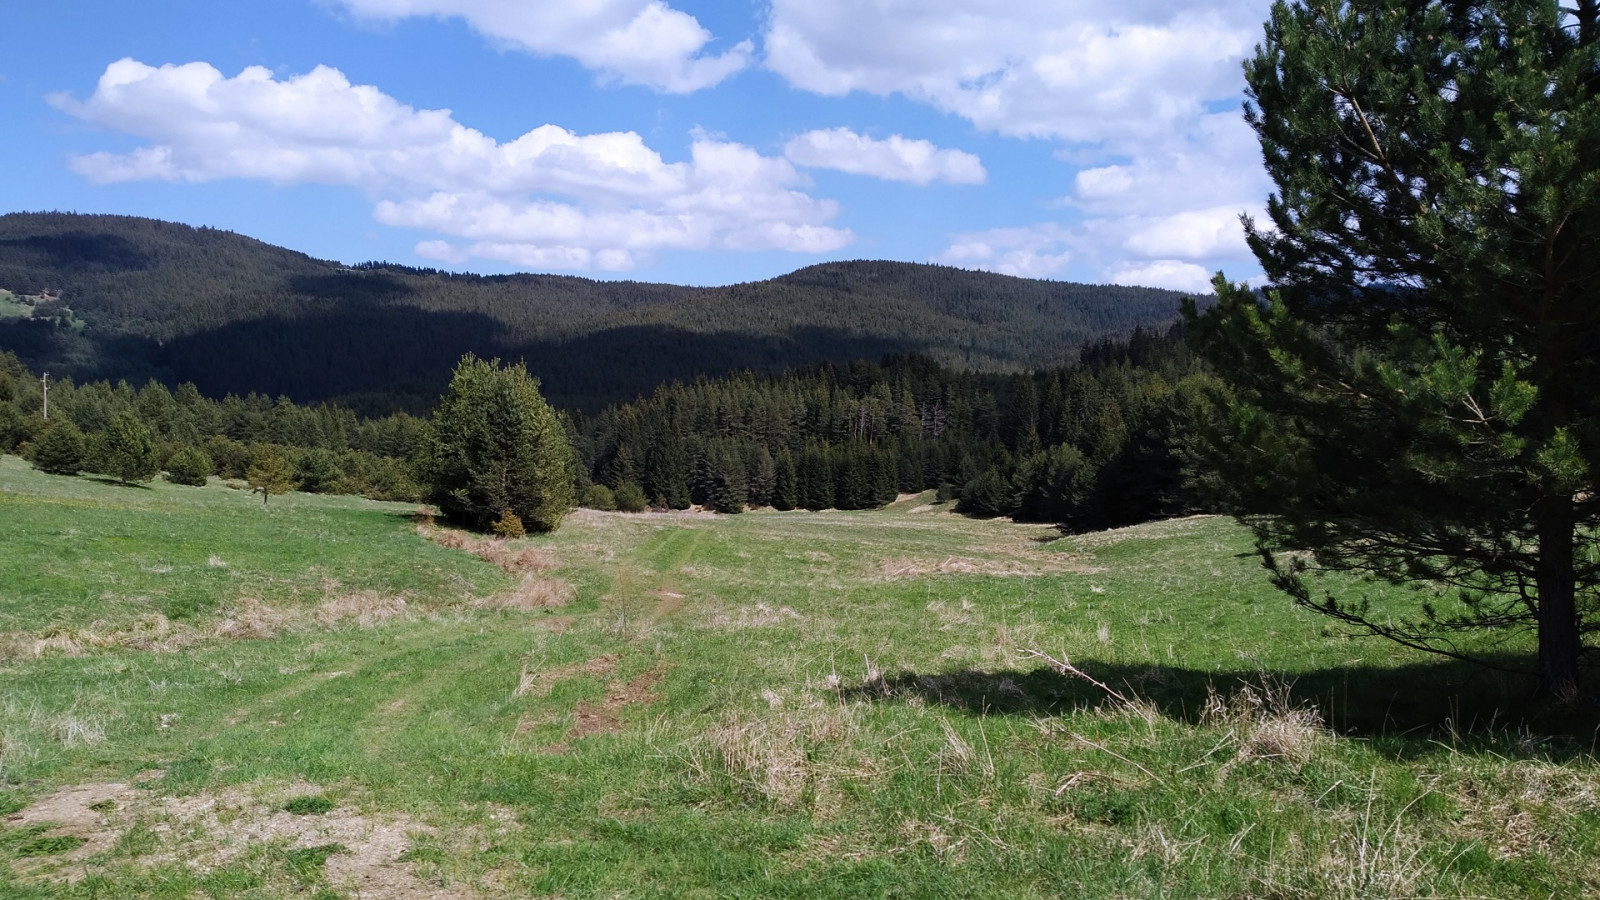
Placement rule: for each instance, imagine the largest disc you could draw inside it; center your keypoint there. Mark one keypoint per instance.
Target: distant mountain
(125, 297)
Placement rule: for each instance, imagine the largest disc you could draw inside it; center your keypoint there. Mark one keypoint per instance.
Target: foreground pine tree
(1420, 397)
(498, 448)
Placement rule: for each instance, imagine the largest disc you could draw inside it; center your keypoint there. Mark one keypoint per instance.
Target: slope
(126, 297)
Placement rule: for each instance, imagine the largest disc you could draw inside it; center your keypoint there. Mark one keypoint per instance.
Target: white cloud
(632, 41)
(550, 199)
(895, 159)
(1173, 274)
(1214, 161)
(1074, 69)
(1132, 90)
(1192, 234)
(1038, 251)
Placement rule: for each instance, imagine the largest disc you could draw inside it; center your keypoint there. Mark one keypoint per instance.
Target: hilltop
(124, 297)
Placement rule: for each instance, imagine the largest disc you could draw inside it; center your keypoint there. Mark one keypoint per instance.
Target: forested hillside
(121, 297)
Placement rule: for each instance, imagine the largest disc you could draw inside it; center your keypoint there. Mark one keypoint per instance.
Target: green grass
(12, 307)
(800, 704)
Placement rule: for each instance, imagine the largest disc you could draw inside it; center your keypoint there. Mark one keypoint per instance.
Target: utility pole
(46, 381)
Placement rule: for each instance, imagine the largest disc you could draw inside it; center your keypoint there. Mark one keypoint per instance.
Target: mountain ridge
(98, 296)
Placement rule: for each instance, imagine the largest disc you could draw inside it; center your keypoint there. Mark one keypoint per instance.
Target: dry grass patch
(531, 593)
(152, 632)
(1269, 724)
(922, 567)
(759, 616)
(509, 558)
(1523, 809)
(362, 607)
(217, 828)
(783, 756)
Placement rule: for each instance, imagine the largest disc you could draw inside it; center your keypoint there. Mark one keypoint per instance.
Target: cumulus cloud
(1178, 251)
(549, 199)
(1141, 94)
(1037, 251)
(1213, 161)
(632, 41)
(1073, 69)
(894, 159)
(1172, 274)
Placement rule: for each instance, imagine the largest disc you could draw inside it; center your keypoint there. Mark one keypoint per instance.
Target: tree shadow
(115, 482)
(1406, 709)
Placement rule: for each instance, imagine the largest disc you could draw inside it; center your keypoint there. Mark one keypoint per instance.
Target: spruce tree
(498, 446)
(785, 488)
(1418, 399)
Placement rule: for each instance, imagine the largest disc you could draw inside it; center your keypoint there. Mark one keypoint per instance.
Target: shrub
(190, 465)
(630, 497)
(598, 496)
(60, 451)
(509, 526)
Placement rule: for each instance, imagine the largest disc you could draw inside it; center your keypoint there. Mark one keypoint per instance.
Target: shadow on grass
(114, 482)
(1411, 707)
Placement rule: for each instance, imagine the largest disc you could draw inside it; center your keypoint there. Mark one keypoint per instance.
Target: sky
(654, 140)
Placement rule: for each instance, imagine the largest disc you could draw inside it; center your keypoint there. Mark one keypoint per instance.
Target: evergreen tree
(269, 473)
(1419, 399)
(785, 488)
(498, 446)
(128, 450)
(61, 450)
(190, 465)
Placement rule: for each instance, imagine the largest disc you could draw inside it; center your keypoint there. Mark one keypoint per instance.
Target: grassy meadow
(202, 696)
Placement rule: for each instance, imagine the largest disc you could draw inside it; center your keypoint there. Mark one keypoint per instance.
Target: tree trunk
(1558, 611)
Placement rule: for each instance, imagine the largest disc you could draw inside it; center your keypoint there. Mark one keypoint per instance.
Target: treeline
(1094, 445)
(329, 448)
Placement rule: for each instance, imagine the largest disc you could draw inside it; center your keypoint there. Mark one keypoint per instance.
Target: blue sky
(682, 141)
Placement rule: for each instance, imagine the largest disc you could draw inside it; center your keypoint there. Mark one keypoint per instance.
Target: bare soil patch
(538, 684)
(605, 717)
(214, 828)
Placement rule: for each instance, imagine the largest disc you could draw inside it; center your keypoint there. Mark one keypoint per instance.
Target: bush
(190, 465)
(60, 451)
(987, 496)
(509, 526)
(630, 497)
(598, 496)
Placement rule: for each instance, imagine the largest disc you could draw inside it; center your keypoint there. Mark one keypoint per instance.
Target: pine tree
(60, 451)
(269, 473)
(190, 465)
(1419, 399)
(128, 449)
(498, 446)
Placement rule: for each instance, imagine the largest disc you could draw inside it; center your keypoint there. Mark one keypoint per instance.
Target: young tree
(60, 451)
(128, 449)
(1420, 398)
(190, 465)
(497, 446)
(269, 473)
